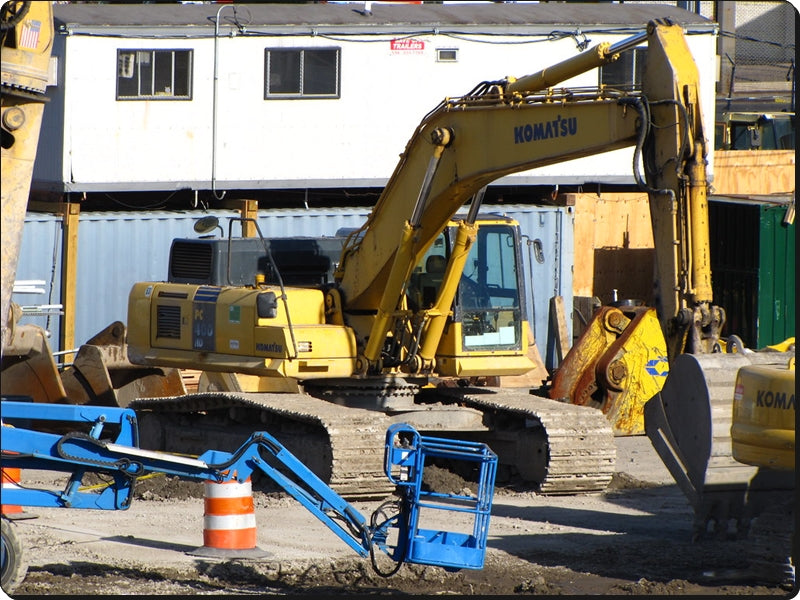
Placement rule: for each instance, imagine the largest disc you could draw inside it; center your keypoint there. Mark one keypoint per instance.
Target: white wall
(132, 141)
(353, 140)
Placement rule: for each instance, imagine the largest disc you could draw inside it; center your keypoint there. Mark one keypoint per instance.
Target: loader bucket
(29, 368)
(101, 373)
(689, 424)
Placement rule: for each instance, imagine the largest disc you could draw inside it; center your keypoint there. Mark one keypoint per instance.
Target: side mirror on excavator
(208, 224)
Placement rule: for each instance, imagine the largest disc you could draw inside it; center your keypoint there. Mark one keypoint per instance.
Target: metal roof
(276, 18)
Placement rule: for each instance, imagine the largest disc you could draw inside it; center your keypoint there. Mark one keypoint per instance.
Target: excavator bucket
(101, 373)
(29, 368)
(689, 424)
(618, 363)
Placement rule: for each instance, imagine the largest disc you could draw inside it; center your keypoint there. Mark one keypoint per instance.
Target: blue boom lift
(105, 440)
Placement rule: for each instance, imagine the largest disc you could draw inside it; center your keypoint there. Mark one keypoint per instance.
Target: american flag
(30, 34)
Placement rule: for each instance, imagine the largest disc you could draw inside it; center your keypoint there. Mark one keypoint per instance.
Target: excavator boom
(487, 142)
(404, 198)
(506, 127)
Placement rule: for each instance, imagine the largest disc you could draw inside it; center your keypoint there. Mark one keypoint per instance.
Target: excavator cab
(488, 295)
(489, 313)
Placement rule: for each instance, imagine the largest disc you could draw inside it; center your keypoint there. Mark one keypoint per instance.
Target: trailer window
(154, 74)
(301, 73)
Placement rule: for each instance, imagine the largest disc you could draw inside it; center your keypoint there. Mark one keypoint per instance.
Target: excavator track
(344, 446)
(770, 547)
(575, 452)
(560, 448)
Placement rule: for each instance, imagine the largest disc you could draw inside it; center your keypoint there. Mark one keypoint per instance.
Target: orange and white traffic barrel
(11, 479)
(229, 521)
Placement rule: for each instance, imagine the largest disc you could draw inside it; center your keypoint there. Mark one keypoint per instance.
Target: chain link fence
(762, 65)
(765, 33)
(757, 51)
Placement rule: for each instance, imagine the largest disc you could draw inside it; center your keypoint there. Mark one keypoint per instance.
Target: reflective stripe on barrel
(229, 521)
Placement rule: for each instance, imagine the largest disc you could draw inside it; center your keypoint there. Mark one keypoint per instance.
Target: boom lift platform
(105, 440)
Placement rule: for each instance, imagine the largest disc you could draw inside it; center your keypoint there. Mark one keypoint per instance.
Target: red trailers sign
(407, 46)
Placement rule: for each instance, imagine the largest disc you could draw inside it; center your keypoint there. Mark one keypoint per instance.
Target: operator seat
(431, 280)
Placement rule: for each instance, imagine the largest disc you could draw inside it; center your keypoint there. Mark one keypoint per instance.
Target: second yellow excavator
(763, 437)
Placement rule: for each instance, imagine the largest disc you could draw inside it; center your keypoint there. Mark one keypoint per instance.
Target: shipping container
(117, 249)
(753, 269)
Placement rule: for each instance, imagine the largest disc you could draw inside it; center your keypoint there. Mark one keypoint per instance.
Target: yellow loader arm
(27, 40)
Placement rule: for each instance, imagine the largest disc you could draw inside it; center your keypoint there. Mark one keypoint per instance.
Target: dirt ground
(633, 539)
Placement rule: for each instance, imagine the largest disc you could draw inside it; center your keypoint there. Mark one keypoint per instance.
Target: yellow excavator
(330, 364)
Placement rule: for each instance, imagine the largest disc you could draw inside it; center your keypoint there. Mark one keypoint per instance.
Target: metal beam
(69, 277)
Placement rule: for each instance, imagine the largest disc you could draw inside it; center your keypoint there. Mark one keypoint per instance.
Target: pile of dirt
(441, 480)
(160, 487)
(624, 481)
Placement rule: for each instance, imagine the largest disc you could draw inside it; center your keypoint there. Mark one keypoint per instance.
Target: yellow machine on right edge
(731, 449)
(762, 435)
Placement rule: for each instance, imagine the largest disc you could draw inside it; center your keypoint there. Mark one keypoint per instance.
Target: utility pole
(725, 16)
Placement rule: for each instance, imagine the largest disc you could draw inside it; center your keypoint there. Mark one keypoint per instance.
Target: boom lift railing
(105, 440)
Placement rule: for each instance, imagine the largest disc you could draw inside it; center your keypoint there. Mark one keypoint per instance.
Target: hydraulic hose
(375, 526)
(11, 19)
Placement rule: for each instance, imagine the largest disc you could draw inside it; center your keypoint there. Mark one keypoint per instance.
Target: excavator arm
(690, 421)
(512, 125)
(622, 358)
(675, 163)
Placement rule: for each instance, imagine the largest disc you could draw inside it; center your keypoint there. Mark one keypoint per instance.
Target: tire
(13, 567)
